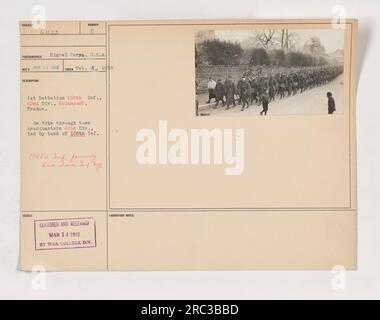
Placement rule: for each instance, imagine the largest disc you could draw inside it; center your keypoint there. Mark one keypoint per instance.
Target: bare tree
(266, 38)
(283, 38)
(289, 40)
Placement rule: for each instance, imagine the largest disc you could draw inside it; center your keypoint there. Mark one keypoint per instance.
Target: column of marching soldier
(264, 88)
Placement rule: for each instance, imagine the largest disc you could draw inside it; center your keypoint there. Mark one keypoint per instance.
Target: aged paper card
(188, 145)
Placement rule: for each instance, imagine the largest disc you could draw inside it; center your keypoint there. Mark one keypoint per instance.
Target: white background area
(363, 283)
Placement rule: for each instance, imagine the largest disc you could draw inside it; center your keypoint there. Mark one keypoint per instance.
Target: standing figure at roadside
(265, 103)
(211, 89)
(230, 90)
(331, 103)
(245, 91)
(219, 93)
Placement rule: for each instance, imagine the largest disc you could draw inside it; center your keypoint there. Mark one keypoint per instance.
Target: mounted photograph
(269, 72)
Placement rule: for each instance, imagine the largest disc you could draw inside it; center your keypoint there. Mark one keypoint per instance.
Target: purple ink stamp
(73, 233)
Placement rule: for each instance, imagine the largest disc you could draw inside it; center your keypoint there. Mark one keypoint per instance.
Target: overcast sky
(331, 39)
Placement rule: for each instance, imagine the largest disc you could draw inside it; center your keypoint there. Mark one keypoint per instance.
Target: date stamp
(71, 233)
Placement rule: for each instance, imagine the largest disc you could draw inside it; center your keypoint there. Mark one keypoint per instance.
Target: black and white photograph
(266, 72)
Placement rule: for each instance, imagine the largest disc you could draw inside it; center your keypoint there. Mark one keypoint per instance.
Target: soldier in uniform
(245, 91)
(272, 92)
(255, 88)
(289, 85)
(282, 87)
(211, 89)
(238, 88)
(302, 83)
(295, 84)
(219, 93)
(252, 96)
(330, 103)
(271, 88)
(230, 90)
(265, 103)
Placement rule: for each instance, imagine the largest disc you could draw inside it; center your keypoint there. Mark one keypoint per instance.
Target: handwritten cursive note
(67, 160)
